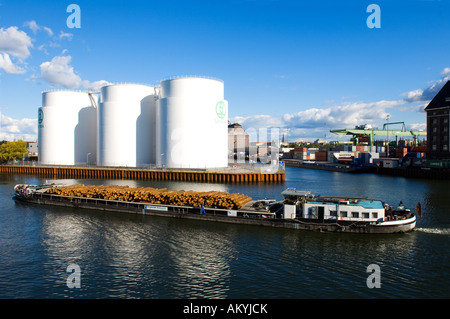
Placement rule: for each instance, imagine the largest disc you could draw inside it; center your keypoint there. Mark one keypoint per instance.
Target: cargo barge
(299, 210)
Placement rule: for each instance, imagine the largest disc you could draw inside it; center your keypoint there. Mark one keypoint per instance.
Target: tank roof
(176, 77)
(65, 90)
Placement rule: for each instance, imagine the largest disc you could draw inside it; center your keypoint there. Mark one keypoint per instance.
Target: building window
(433, 147)
(445, 147)
(434, 129)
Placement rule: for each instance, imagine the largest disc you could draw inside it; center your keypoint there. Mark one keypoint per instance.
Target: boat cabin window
(374, 215)
(355, 214)
(276, 208)
(333, 213)
(343, 213)
(312, 212)
(365, 215)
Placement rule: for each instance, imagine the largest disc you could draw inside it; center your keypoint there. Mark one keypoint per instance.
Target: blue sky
(301, 66)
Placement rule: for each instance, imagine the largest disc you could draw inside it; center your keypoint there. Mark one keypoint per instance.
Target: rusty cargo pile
(212, 199)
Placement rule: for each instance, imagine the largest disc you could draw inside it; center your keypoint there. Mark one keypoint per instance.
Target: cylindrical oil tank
(67, 128)
(126, 125)
(192, 123)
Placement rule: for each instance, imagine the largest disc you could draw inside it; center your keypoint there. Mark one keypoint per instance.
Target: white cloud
(42, 47)
(58, 72)
(345, 115)
(446, 71)
(63, 35)
(13, 129)
(418, 127)
(15, 42)
(414, 95)
(412, 107)
(314, 122)
(94, 86)
(48, 30)
(427, 94)
(33, 26)
(7, 65)
(258, 121)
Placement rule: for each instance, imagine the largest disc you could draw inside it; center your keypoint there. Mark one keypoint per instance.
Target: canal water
(133, 256)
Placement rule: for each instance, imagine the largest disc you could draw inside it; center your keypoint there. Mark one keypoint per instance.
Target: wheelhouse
(324, 208)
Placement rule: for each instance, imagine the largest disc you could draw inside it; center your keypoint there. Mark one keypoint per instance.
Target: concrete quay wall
(142, 174)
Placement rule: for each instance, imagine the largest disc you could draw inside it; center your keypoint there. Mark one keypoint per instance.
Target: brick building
(438, 129)
(238, 143)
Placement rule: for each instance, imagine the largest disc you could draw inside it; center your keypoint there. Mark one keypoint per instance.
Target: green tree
(13, 150)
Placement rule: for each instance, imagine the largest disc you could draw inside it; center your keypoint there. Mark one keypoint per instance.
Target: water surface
(133, 256)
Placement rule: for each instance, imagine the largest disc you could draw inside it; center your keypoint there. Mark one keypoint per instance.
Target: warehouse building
(238, 143)
(438, 128)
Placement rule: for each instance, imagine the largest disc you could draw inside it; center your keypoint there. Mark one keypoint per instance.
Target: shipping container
(390, 163)
(420, 149)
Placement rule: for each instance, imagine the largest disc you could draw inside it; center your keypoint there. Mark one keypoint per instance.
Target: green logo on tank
(40, 116)
(221, 109)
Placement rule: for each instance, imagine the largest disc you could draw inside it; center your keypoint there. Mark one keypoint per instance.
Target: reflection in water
(201, 263)
(114, 253)
(134, 256)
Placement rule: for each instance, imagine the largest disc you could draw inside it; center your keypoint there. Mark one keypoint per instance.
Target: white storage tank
(67, 126)
(192, 126)
(126, 125)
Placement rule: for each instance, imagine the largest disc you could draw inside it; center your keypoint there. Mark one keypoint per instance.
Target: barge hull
(213, 215)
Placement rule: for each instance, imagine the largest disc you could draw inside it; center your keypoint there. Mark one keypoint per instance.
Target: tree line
(16, 150)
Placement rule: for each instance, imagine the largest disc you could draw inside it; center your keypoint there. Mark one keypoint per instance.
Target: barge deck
(262, 213)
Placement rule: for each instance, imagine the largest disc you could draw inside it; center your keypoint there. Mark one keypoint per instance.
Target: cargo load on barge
(298, 210)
